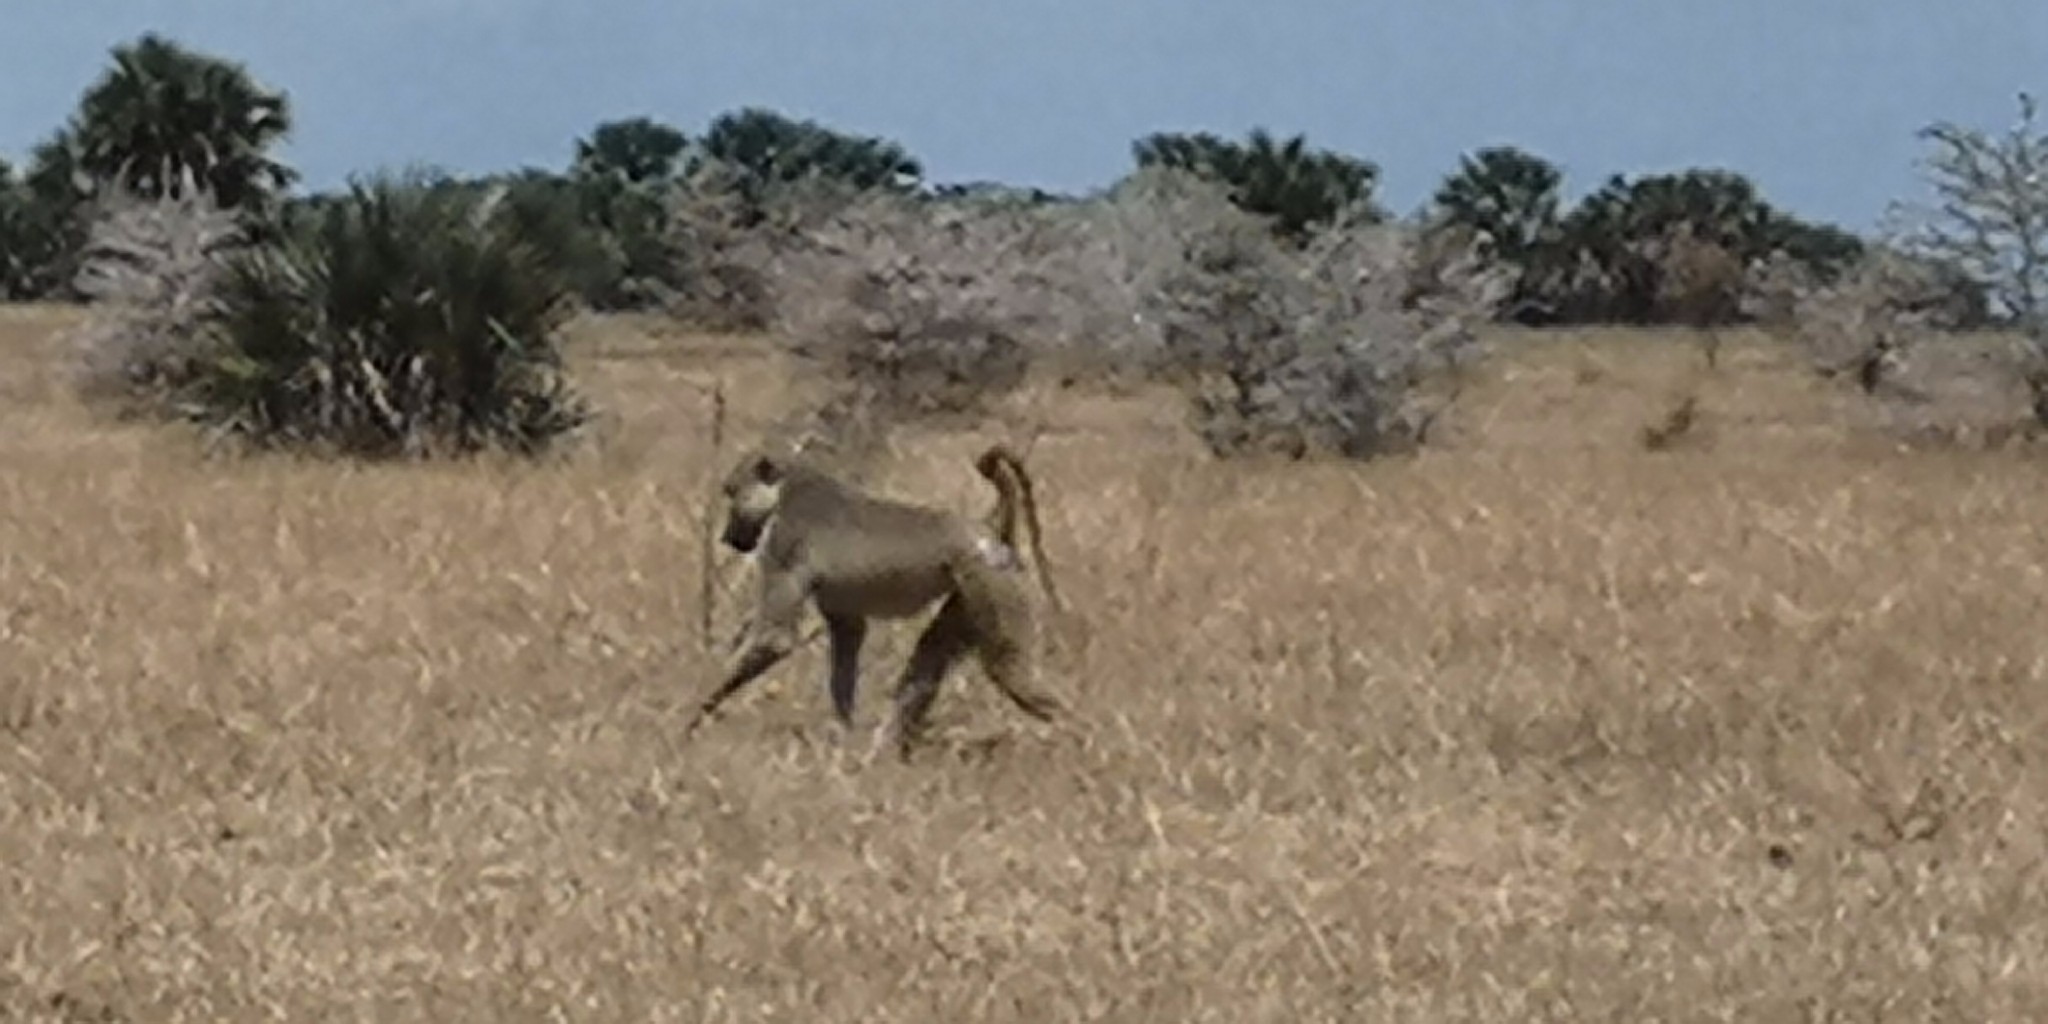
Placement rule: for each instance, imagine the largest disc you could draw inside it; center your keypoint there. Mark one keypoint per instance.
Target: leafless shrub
(1860, 325)
(1991, 220)
(1992, 216)
(1890, 327)
(1322, 347)
(921, 308)
(727, 245)
(925, 307)
(150, 267)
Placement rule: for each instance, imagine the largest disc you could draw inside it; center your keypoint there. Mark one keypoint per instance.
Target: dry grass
(1539, 727)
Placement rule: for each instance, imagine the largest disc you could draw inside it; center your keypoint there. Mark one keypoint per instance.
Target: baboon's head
(753, 490)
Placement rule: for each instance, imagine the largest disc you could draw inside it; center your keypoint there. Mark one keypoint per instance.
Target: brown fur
(856, 556)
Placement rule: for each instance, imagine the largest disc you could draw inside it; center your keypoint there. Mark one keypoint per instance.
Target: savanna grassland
(1538, 725)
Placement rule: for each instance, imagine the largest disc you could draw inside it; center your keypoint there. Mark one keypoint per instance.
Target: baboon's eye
(764, 469)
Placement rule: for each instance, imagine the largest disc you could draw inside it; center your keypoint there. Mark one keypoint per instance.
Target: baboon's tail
(1001, 467)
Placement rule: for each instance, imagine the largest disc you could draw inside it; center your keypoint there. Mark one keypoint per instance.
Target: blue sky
(1817, 100)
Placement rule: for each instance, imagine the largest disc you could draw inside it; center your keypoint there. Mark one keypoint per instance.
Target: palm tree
(1510, 195)
(1623, 235)
(1298, 187)
(637, 149)
(162, 114)
(768, 148)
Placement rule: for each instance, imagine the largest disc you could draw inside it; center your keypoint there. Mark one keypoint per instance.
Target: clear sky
(1817, 100)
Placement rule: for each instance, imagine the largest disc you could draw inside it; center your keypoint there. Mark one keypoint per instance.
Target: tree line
(163, 113)
(416, 309)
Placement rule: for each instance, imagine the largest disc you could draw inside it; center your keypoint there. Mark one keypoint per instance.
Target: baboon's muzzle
(742, 534)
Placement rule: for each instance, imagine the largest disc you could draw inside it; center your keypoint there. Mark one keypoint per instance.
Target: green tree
(1513, 199)
(14, 230)
(637, 149)
(1299, 188)
(406, 317)
(766, 149)
(553, 213)
(622, 180)
(43, 229)
(163, 112)
(1509, 195)
(1618, 237)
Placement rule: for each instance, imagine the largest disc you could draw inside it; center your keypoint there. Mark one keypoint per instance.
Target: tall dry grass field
(1538, 726)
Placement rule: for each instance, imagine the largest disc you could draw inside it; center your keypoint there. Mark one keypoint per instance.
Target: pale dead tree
(729, 244)
(918, 308)
(934, 306)
(1990, 219)
(149, 267)
(1322, 347)
(1859, 326)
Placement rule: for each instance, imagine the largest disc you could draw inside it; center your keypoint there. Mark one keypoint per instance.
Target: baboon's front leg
(845, 633)
(938, 647)
(771, 639)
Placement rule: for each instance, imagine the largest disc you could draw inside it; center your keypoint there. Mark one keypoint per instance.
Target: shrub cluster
(926, 307)
(401, 318)
(419, 313)
(1315, 347)
(152, 267)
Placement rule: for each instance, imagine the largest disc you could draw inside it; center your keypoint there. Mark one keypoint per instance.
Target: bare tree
(1993, 214)
(919, 306)
(1324, 346)
(1859, 326)
(916, 308)
(1991, 221)
(149, 267)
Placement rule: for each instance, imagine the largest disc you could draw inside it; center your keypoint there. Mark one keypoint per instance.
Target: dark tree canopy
(770, 148)
(163, 112)
(1625, 229)
(1299, 188)
(638, 149)
(1511, 195)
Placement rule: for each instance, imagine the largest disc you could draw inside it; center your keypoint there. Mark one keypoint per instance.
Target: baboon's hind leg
(941, 644)
(844, 633)
(999, 622)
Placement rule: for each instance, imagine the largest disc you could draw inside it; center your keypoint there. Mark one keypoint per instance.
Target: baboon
(857, 556)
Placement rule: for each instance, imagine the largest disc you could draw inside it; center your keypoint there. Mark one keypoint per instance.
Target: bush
(549, 213)
(932, 306)
(1991, 221)
(402, 318)
(1317, 348)
(1872, 327)
(1852, 326)
(1298, 188)
(725, 244)
(150, 267)
(919, 307)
